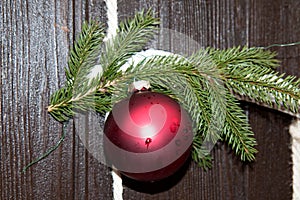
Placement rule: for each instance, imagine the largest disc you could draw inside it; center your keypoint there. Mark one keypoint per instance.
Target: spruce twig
(82, 57)
(205, 83)
(84, 93)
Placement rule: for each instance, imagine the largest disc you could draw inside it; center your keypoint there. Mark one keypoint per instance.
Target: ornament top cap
(137, 86)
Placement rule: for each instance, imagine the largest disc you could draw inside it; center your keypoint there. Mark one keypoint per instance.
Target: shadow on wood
(157, 186)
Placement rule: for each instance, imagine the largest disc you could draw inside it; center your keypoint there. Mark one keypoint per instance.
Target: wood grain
(35, 41)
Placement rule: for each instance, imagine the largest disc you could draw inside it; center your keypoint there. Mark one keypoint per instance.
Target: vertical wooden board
(270, 176)
(35, 41)
(224, 24)
(273, 22)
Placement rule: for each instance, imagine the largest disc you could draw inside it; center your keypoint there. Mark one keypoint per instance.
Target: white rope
(112, 18)
(295, 133)
(112, 23)
(117, 185)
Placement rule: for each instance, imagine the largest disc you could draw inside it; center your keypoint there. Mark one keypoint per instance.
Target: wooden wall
(35, 39)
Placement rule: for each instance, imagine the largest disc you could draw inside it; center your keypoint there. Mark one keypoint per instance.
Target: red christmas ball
(147, 136)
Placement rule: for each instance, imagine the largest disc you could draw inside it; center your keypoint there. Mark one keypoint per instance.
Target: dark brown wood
(35, 38)
(35, 41)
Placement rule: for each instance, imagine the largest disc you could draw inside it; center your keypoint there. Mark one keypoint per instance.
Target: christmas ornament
(148, 136)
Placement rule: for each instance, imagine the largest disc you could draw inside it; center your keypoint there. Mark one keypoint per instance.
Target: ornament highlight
(147, 136)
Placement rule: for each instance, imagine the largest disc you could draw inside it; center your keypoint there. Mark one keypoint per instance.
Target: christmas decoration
(147, 136)
(207, 84)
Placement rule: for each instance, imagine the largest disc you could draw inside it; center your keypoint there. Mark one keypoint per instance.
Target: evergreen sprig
(205, 83)
(247, 74)
(132, 36)
(82, 56)
(88, 43)
(237, 131)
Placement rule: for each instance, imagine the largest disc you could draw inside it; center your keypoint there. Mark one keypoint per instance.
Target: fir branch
(267, 87)
(82, 59)
(89, 41)
(256, 80)
(83, 92)
(237, 131)
(132, 35)
(59, 109)
(204, 83)
(241, 57)
(69, 105)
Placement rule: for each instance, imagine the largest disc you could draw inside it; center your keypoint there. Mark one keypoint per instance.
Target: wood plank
(35, 41)
(272, 170)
